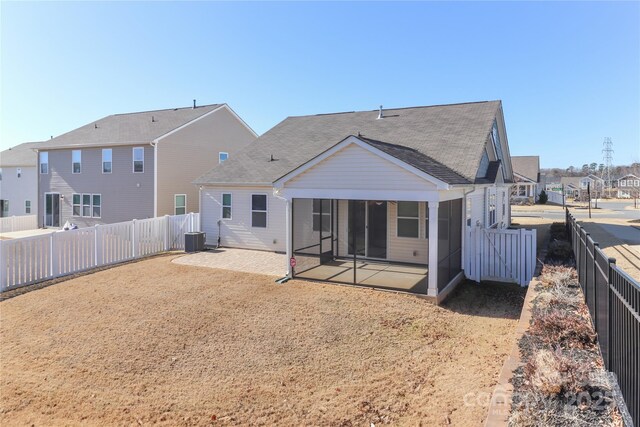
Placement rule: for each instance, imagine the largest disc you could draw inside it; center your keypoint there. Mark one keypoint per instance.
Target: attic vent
(380, 116)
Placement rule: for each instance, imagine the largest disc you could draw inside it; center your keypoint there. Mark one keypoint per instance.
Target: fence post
(612, 262)
(3, 267)
(95, 244)
(167, 232)
(13, 223)
(523, 258)
(133, 238)
(52, 254)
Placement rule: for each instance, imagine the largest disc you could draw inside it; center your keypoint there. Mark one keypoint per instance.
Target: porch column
(289, 235)
(433, 249)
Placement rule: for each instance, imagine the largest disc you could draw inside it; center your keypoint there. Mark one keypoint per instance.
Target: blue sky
(568, 73)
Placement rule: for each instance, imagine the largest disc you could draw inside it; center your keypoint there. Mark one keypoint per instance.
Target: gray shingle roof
(20, 155)
(526, 166)
(445, 140)
(129, 128)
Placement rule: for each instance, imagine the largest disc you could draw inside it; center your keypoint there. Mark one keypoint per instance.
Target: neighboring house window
(19, 172)
(138, 159)
(107, 157)
(484, 165)
(86, 205)
(495, 135)
(96, 208)
(5, 207)
(408, 219)
(27, 206)
(321, 213)
(44, 162)
(222, 156)
(180, 204)
(623, 183)
(76, 160)
(226, 205)
(77, 198)
(259, 210)
(636, 182)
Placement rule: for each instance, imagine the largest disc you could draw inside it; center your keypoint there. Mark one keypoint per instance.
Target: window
(19, 172)
(86, 205)
(222, 156)
(96, 202)
(636, 182)
(107, 156)
(44, 162)
(259, 210)
(180, 204)
(495, 135)
(321, 213)
(27, 206)
(408, 219)
(76, 204)
(76, 161)
(623, 183)
(492, 208)
(226, 206)
(5, 207)
(138, 159)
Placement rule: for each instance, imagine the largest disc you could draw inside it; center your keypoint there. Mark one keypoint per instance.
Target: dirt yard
(154, 342)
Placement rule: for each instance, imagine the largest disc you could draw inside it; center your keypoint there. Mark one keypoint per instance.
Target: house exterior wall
(18, 190)
(125, 195)
(190, 152)
(354, 167)
(237, 232)
(629, 186)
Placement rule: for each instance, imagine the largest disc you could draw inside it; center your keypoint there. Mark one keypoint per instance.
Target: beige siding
(354, 168)
(190, 152)
(237, 231)
(18, 190)
(125, 195)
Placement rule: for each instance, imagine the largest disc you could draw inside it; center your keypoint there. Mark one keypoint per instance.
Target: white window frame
(266, 211)
(623, 183)
(492, 216)
(93, 206)
(636, 182)
(175, 205)
(45, 155)
(315, 213)
(230, 206)
(133, 159)
(79, 162)
(73, 205)
(104, 150)
(220, 159)
(398, 218)
(83, 205)
(27, 206)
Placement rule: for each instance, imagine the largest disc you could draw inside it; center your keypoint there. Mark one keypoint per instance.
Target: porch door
(52, 210)
(368, 227)
(377, 229)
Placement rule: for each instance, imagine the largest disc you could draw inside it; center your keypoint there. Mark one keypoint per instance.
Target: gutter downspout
(154, 144)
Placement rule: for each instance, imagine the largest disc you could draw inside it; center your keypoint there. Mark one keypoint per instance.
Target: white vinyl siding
(237, 232)
(354, 168)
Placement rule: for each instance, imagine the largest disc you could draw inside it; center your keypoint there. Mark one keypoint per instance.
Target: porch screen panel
(305, 235)
(449, 241)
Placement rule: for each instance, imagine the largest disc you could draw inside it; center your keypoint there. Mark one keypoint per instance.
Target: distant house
(526, 174)
(377, 198)
(135, 165)
(571, 185)
(628, 187)
(19, 180)
(592, 183)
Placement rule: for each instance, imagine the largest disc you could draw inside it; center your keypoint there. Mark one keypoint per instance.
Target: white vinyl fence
(554, 197)
(500, 255)
(18, 223)
(33, 259)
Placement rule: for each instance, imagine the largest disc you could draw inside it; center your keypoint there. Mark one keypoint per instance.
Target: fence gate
(500, 255)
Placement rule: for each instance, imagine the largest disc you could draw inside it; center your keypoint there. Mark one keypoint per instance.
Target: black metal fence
(613, 299)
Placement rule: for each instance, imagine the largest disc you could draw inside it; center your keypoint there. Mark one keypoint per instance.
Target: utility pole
(607, 156)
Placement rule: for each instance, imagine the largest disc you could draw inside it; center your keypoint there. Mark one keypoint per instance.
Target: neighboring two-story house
(628, 187)
(135, 165)
(19, 180)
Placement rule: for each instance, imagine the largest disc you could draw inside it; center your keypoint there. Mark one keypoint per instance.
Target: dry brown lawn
(154, 342)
